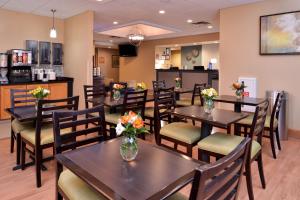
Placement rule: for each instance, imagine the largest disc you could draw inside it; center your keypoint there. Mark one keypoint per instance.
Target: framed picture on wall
(115, 61)
(280, 34)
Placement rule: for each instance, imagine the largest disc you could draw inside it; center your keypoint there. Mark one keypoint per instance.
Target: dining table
(238, 102)
(155, 173)
(217, 118)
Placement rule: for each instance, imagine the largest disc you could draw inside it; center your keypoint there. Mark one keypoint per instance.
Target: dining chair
(68, 185)
(221, 144)
(158, 84)
(40, 136)
(220, 180)
(271, 124)
(90, 92)
(196, 97)
(18, 98)
(179, 133)
(133, 101)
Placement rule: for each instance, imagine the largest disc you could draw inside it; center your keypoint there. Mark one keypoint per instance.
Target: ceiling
(130, 12)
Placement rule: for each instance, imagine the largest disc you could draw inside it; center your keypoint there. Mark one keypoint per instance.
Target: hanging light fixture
(136, 37)
(53, 33)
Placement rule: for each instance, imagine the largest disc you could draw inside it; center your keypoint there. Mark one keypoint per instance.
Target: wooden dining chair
(133, 101)
(158, 84)
(220, 180)
(18, 98)
(271, 124)
(196, 97)
(221, 144)
(90, 92)
(68, 185)
(40, 136)
(179, 133)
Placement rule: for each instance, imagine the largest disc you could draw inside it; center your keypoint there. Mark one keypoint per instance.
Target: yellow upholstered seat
(223, 144)
(187, 102)
(182, 131)
(18, 126)
(47, 135)
(248, 121)
(149, 112)
(75, 188)
(112, 118)
(177, 196)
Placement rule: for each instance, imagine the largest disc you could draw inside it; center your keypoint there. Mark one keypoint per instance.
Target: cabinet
(57, 54)
(45, 52)
(58, 90)
(32, 45)
(5, 99)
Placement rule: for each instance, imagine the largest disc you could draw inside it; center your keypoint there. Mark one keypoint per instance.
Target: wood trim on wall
(294, 133)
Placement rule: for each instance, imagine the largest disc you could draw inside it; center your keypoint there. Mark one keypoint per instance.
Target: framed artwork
(280, 34)
(115, 61)
(101, 60)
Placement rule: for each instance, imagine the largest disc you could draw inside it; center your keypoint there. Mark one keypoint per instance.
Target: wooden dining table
(218, 118)
(154, 174)
(249, 101)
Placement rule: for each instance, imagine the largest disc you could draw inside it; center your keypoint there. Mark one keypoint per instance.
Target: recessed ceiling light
(99, 0)
(162, 12)
(189, 21)
(210, 26)
(115, 22)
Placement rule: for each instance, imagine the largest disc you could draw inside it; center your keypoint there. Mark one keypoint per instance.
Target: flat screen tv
(127, 50)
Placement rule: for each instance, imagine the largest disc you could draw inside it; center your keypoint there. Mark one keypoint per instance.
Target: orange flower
(138, 123)
(125, 119)
(131, 114)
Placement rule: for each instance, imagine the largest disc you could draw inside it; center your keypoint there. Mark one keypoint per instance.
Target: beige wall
(239, 54)
(106, 67)
(176, 58)
(210, 51)
(79, 50)
(16, 27)
(141, 68)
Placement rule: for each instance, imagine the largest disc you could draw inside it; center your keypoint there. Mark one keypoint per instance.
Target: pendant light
(53, 33)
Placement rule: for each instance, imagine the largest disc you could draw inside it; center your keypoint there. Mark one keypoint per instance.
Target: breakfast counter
(62, 87)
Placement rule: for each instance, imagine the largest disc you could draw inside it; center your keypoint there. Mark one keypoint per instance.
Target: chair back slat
(46, 108)
(221, 179)
(21, 97)
(164, 101)
(135, 101)
(276, 108)
(259, 119)
(69, 140)
(158, 85)
(197, 92)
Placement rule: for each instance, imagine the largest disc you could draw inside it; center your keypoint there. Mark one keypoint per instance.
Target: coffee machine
(19, 62)
(3, 68)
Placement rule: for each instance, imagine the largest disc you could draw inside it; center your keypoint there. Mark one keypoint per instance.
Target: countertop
(58, 80)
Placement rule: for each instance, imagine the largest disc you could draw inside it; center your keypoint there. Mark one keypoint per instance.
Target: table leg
(238, 109)
(205, 131)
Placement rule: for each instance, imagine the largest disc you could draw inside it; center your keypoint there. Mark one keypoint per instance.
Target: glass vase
(116, 95)
(177, 85)
(208, 105)
(239, 94)
(128, 148)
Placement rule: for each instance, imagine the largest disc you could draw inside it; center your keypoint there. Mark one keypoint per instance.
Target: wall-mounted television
(127, 50)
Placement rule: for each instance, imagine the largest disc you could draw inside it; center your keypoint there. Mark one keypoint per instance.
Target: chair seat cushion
(181, 131)
(149, 112)
(223, 144)
(112, 118)
(248, 121)
(18, 126)
(75, 188)
(177, 196)
(47, 135)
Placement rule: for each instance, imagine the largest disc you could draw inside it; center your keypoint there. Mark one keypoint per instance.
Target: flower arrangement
(39, 93)
(208, 96)
(239, 88)
(117, 86)
(141, 86)
(210, 93)
(178, 82)
(130, 125)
